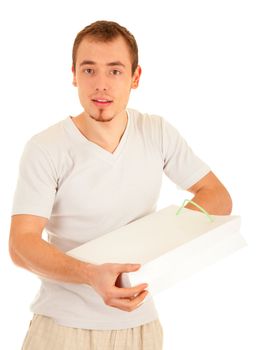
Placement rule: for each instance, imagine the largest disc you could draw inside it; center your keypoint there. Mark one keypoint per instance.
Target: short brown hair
(107, 31)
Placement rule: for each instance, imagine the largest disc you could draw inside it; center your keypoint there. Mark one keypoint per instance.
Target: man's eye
(89, 71)
(115, 72)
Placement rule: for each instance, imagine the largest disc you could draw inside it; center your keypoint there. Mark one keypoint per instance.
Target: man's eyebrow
(116, 63)
(85, 62)
(89, 62)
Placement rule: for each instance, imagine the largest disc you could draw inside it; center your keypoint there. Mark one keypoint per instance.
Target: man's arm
(30, 251)
(211, 194)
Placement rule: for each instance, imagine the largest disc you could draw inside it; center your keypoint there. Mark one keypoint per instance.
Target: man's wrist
(86, 272)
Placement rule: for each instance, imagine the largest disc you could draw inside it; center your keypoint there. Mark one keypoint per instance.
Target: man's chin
(101, 118)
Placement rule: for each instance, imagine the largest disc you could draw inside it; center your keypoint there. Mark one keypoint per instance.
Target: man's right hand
(30, 251)
(103, 279)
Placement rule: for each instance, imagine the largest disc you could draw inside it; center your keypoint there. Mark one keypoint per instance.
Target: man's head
(106, 31)
(105, 69)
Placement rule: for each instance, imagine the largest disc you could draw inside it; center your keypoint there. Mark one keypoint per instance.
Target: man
(86, 176)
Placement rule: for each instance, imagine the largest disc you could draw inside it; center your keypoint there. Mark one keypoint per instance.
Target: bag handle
(186, 201)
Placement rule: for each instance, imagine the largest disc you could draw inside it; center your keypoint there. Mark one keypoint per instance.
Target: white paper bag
(170, 247)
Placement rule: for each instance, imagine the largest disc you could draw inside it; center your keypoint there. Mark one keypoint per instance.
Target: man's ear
(74, 81)
(136, 77)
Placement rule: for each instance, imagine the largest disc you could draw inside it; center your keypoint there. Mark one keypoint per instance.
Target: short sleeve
(181, 165)
(37, 182)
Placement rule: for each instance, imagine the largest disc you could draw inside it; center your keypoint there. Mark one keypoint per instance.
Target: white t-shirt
(86, 191)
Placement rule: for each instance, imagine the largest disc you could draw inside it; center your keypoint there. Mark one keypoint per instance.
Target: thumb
(130, 267)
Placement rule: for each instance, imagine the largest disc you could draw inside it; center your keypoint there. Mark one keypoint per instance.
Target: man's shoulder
(145, 117)
(51, 136)
(154, 125)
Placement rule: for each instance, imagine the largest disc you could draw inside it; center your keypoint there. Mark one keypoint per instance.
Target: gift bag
(170, 244)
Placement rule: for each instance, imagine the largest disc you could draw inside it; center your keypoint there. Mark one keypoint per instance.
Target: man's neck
(105, 134)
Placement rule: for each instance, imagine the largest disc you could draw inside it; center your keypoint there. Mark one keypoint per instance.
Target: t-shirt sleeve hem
(194, 178)
(41, 213)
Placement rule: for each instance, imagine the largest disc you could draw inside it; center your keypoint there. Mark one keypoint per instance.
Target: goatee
(99, 118)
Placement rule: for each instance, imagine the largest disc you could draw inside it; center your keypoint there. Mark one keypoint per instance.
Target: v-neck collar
(95, 147)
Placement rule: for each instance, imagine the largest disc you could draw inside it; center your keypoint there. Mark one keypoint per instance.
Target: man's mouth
(102, 102)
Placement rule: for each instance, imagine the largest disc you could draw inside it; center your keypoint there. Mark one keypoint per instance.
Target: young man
(86, 176)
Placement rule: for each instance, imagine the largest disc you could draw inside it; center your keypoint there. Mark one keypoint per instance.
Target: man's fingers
(129, 292)
(124, 294)
(129, 304)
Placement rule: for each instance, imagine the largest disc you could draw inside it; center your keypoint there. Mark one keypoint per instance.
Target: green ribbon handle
(197, 205)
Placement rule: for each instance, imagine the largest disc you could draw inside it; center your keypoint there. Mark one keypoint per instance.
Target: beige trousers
(45, 334)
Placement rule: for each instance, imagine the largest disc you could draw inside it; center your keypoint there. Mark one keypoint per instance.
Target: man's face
(104, 78)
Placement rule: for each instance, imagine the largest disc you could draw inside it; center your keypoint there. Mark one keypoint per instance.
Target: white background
(199, 71)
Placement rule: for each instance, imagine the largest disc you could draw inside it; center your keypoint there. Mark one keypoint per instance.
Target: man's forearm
(45, 260)
(215, 201)
(42, 258)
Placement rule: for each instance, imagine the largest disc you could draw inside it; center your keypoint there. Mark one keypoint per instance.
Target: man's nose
(101, 83)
